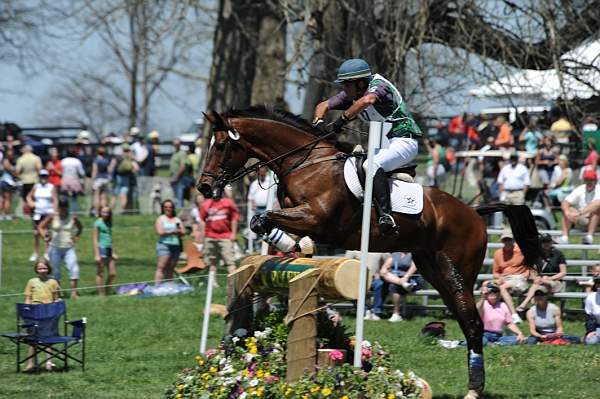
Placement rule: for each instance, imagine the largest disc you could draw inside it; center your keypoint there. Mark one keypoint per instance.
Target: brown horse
(448, 239)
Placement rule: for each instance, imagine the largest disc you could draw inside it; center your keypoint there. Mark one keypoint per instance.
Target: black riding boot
(381, 192)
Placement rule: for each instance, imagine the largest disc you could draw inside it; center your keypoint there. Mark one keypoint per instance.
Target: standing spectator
(71, 185)
(197, 223)
(545, 161)
(54, 167)
(532, 136)
(592, 314)
(589, 124)
(40, 289)
(8, 184)
(545, 323)
(153, 152)
(504, 139)
(398, 274)
(510, 274)
(577, 205)
(65, 231)
(562, 179)
(513, 181)
(220, 217)
(436, 162)
(495, 316)
(168, 248)
(591, 160)
(28, 167)
(176, 169)
(100, 179)
(43, 199)
(562, 129)
(103, 250)
(552, 268)
(125, 168)
(139, 150)
(258, 193)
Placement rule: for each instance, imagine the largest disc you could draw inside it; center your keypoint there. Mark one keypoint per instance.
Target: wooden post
(239, 304)
(302, 347)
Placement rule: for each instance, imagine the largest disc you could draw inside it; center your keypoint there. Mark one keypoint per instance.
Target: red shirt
(55, 173)
(217, 216)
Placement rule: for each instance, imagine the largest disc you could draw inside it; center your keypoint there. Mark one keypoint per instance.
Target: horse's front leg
(300, 220)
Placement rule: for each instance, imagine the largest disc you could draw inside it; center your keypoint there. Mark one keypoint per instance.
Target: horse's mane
(274, 114)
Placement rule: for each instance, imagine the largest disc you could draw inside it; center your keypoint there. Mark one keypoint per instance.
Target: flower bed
(255, 366)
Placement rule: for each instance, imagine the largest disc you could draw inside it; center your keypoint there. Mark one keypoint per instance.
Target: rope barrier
(115, 285)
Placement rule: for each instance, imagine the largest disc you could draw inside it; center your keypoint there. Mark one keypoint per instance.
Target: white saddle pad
(406, 197)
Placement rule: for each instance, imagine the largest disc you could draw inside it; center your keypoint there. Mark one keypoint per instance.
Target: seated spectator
(552, 268)
(168, 248)
(589, 284)
(495, 316)
(510, 274)
(513, 181)
(398, 277)
(545, 322)
(577, 205)
(592, 314)
(561, 182)
(374, 263)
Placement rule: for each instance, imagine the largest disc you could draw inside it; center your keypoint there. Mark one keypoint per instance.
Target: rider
(374, 98)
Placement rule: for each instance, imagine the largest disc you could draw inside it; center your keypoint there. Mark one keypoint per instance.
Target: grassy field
(136, 345)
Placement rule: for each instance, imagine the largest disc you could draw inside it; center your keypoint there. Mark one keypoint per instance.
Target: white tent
(581, 78)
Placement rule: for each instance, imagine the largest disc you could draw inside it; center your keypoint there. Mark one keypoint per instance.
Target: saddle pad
(406, 197)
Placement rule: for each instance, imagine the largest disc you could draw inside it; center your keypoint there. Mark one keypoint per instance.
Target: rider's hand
(339, 124)
(321, 125)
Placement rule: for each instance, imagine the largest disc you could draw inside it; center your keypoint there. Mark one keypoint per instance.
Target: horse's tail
(523, 227)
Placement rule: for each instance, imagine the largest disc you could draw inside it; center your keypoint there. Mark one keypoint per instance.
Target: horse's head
(225, 156)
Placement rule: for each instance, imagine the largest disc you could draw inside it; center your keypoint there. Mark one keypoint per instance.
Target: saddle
(406, 173)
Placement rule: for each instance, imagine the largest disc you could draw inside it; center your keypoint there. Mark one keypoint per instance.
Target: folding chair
(38, 327)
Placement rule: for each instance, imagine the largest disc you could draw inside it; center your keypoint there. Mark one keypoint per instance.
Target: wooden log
(239, 304)
(339, 280)
(302, 347)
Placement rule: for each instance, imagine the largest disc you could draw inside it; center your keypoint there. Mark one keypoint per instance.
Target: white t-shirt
(514, 178)
(72, 167)
(140, 152)
(592, 306)
(43, 200)
(258, 194)
(580, 197)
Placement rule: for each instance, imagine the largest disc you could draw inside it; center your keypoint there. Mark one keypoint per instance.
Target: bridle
(225, 177)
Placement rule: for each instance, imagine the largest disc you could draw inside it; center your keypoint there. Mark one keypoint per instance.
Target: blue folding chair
(38, 327)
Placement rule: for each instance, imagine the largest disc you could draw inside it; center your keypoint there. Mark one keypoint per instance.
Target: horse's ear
(210, 118)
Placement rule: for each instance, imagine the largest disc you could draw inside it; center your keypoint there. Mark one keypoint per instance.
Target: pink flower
(210, 353)
(336, 355)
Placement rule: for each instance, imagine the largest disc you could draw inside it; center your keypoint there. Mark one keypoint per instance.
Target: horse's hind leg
(457, 293)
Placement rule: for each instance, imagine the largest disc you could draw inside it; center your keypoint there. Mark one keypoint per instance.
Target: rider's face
(354, 89)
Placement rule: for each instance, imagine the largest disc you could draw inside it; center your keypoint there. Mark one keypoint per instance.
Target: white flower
(243, 395)
(188, 378)
(253, 383)
(366, 344)
(235, 340)
(248, 357)
(381, 369)
(399, 373)
(227, 369)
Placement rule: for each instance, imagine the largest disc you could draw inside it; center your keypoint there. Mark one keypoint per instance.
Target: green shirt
(104, 233)
(177, 159)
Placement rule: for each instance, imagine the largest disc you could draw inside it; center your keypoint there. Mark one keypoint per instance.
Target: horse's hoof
(474, 394)
(259, 224)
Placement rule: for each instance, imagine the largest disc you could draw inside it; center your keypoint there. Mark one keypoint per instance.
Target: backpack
(434, 329)
(125, 167)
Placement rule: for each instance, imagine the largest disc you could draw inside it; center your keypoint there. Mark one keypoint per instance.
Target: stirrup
(386, 223)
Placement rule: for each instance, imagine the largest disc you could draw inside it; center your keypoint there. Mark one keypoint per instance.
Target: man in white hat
(138, 149)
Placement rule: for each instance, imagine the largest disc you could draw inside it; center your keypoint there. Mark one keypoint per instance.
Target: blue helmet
(353, 69)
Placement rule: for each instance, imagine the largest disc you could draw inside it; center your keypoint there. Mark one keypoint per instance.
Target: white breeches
(402, 151)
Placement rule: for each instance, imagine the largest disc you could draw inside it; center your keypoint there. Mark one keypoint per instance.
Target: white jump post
(205, 320)
(1, 254)
(376, 130)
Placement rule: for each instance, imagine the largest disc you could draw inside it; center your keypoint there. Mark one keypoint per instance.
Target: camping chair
(38, 327)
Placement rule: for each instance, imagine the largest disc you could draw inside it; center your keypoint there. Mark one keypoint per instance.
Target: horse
(448, 239)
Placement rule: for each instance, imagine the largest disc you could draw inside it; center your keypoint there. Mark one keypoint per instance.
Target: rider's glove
(339, 123)
(321, 125)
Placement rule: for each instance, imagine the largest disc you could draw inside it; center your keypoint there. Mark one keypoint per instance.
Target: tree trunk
(269, 79)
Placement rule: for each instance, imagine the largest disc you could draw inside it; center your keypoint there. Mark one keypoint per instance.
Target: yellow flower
(288, 391)
(206, 376)
(180, 387)
(260, 373)
(391, 396)
(345, 397)
(201, 362)
(259, 392)
(213, 369)
(179, 396)
(326, 391)
(245, 373)
(315, 389)
(253, 350)
(267, 374)
(197, 357)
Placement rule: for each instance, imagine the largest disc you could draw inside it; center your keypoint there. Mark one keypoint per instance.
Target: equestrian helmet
(353, 69)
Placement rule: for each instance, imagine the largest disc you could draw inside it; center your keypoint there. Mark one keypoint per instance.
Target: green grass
(136, 345)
